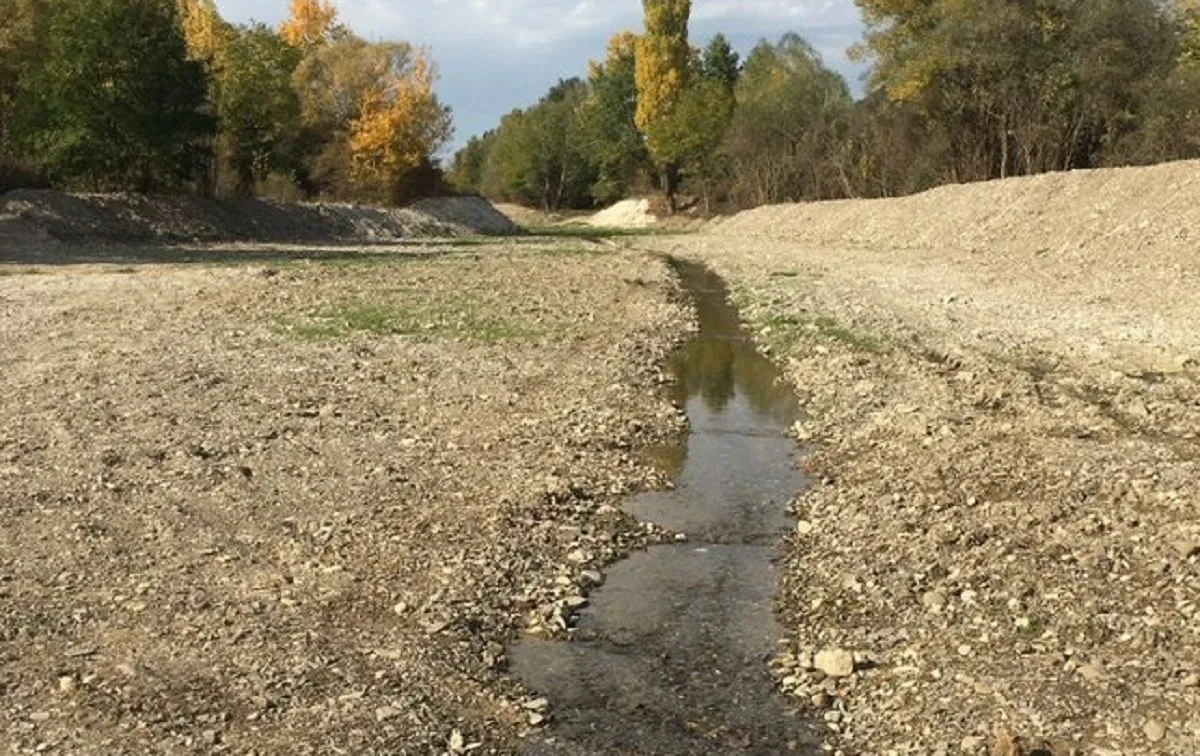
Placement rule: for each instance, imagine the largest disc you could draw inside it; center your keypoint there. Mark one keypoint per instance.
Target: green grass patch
(572, 231)
(786, 331)
(6, 271)
(465, 322)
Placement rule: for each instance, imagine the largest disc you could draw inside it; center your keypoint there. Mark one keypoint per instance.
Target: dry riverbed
(1000, 551)
(297, 507)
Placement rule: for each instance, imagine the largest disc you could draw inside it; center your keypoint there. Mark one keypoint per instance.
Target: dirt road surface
(298, 507)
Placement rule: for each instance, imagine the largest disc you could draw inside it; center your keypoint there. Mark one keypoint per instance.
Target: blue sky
(496, 55)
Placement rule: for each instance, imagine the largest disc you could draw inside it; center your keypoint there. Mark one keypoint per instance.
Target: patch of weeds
(599, 232)
(4, 271)
(463, 322)
(343, 321)
(857, 340)
(785, 332)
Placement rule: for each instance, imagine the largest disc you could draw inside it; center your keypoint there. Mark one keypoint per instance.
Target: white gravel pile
(631, 213)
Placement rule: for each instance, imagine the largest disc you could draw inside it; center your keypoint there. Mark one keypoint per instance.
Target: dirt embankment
(1004, 522)
(30, 218)
(298, 507)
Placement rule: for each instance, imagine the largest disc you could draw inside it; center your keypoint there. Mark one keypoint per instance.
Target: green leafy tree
(466, 170)
(257, 107)
(721, 63)
(790, 118)
(692, 134)
(114, 101)
(611, 140)
(537, 157)
(1020, 86)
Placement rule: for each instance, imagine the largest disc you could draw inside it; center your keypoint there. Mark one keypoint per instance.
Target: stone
(1006, 742)
(458, 744)
(384, 713)
(591, 578)
(804, 527)
(536, 719)
(1186, 546)
(1091, 672)
(835, 662)
(1155, 731)
(536, 704)
(934, 601)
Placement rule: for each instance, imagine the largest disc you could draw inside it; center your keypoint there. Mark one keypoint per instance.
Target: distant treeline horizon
(956, 92)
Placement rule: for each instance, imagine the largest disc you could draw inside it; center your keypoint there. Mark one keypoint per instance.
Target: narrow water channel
(671, 656)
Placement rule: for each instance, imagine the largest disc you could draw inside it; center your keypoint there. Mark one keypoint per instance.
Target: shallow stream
(671, 654)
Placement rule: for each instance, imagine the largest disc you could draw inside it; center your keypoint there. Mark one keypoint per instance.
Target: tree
(309, 23)
(790, 119)
(537, 155)
(257, 107)
(114, 101)
(720, 63)
(693, 131)
(663, 55)
(609, 134)
(466, 171)
(1020, 86)
(400, 124)
(203, 28)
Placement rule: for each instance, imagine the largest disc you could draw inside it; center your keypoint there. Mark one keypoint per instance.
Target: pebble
(1155, 731)
(384, 713)
(592, 578)
(835, 662)
(934, 601)
(1091, 672)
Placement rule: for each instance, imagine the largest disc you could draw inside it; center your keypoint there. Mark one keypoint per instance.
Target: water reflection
(672, 656)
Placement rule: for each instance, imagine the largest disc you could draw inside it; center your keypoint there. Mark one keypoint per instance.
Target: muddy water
(671, 655)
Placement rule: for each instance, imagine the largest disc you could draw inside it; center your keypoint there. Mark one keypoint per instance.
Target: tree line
(166, 95)
(957, 91)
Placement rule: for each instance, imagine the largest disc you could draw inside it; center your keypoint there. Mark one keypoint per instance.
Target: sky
(497, 55)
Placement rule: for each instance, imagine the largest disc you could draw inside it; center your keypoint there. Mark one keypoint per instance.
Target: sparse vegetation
(461, 319)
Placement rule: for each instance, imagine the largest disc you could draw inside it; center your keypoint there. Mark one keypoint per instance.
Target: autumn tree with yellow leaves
(310, 22)
(663, 55)
(400, 123)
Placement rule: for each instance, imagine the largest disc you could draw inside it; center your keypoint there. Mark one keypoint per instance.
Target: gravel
(31, 219)
(1002, 521)
(299, 507)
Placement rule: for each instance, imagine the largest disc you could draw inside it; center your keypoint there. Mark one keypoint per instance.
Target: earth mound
(135, 218)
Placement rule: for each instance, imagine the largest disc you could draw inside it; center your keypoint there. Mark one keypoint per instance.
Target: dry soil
(298, 507)
(1000, 551)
